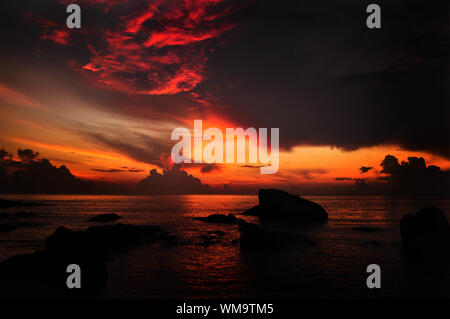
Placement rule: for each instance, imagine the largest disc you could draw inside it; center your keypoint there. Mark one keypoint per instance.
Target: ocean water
(334, 268)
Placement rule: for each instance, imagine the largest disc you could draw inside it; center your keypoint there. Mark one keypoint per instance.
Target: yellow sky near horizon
(61, 134)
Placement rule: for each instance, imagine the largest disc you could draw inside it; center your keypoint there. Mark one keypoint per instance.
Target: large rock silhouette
(426, 235)
(278, 204)
(219, 218)
(44, 273)
(254, 238)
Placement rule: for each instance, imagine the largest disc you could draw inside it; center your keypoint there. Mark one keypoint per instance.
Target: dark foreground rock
(254, 238)
(44, 273)
(219, 218)
(278, 204)
(103, 218)
(426, 235)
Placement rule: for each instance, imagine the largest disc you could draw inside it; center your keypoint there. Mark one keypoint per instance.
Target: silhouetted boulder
(278, 204)
(254, 238)
(219, 218)
(44, 273)
(101, 239)
(254, 211)
(103, 218)
(426, 235)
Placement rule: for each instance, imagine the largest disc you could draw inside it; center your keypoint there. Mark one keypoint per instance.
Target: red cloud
(158, 48)
(57, 36)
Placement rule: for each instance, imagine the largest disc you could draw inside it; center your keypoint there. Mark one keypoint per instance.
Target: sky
(103, 100)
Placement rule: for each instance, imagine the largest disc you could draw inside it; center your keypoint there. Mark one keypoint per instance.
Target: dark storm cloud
(316, 71)
(311, 68)
(365, 169)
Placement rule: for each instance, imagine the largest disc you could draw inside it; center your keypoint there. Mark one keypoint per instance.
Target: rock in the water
(219, 218)
(103, 218)
(426, 235)
(44, 273)
(254, 238)
(278, 204)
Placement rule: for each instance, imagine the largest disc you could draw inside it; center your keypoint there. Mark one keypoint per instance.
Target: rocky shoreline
(425, 239)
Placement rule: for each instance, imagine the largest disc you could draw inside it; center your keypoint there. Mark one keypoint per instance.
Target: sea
(334, 268)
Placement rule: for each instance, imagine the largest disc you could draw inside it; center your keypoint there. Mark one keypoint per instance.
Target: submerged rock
(44, 273)
(278, 204)
(219, 218)
(426, 235)
(254, 238)
(103, 218)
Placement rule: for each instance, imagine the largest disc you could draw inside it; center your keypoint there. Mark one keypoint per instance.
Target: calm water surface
(333, 268)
